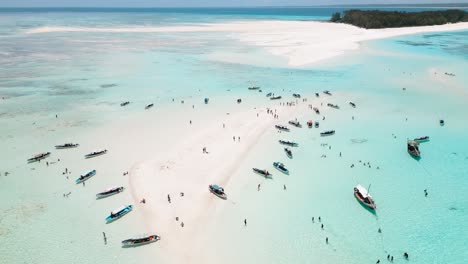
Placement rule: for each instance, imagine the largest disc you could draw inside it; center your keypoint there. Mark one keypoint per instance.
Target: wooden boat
(280, 166)
(119, 212)
(109, 192)
(317, 124)
(282, 128)
(39, 157)
(288, 143)
(85, 177)
(333, 106)
(134, 242)
(254, 87)
(264, 173)
(364, 197)
(310, 124)
(295, 123)
(124, 103)
(288, 153)
(296, 95)
(327, 133)
(317, 111)
(275, 97)
(422, 139)
(327, 92)
(413, 148)
(149, 106)
(352, 104)
(96, 153)
(67, 146)
(218, 191)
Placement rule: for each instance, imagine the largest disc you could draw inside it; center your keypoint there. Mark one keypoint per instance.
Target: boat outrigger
(288, 143)
(413, 148)
(333, 106)
(264, 173)
(149, 106)
(124, 103)
(96, 153)
(422, 139)
(67, 146)
(133, 242)
(119, 212)
(39, 157)
(295, 123)
(85, 177)
(275, 97)
(109, 192)
(288, 153)
(280, 166)
(327, 133)
(364, 197)
(218, 191)
(282, 128)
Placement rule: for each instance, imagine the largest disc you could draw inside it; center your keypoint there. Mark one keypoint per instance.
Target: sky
(204, 3)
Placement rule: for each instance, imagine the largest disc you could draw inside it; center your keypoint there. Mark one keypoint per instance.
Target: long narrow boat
(288, 143)
(254, 87)
(295, 123)
(413, 148)
(109, 192)
(364, 197)
(119, 212)
(282, 128)
(333, 106)
(96, 153)
(422, 139)
(327, 133)
(85, 177)
(124, 103)
(288, 153)
(264, 173)
(67, 146)
(134, 242)
(39, 157)
(280, 166)
(149, 106)
(218, 191)
(275, 97)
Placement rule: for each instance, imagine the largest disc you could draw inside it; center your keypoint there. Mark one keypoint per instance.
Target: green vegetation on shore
(391, 19)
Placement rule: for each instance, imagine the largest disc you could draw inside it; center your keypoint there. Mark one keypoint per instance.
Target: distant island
(391, 19)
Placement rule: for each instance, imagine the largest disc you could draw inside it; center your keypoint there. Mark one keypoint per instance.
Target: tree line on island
(391, 19)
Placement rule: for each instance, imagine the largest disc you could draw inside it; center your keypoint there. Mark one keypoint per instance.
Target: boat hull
(104, 194)
(364, 203)
(120, 214)
(135, 243)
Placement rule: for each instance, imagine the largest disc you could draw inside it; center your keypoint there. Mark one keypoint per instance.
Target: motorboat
(96, 153)
(317, 124)
(295, 123)
(327, 92)
(119, 212)
(149, 106)
(218, 191)
(327, 133)
(109, 192)
(124, 103)
(317, 111)
(352, 104)
(413, 148)
(67, 146)
(282, 128)
(39, 157)
(254, 87)
(296, 95)
(333, 106)
(280, 166)
(85, 177)
(264, 173)
(422, 139)
(310, 123)
(289, 143)
(288, 153)
(275, 97)
(133, 242)
(364, 197)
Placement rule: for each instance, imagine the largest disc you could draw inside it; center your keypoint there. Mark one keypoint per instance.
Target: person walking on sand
(105, 238)
(258, 187)
(245, 222)
(234, 138)
(169, 198)
(284, 187)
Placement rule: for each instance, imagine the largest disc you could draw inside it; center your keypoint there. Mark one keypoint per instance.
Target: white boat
(364, 197)
(109, 192)
(133, 242)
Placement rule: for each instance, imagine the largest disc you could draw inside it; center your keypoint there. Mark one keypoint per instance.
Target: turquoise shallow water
(77, 75)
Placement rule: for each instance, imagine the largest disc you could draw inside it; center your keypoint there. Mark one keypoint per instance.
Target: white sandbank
(300, 42)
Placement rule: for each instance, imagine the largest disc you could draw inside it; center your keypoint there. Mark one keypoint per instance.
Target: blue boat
(280, 166)
(83, 178)
(119, 212)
